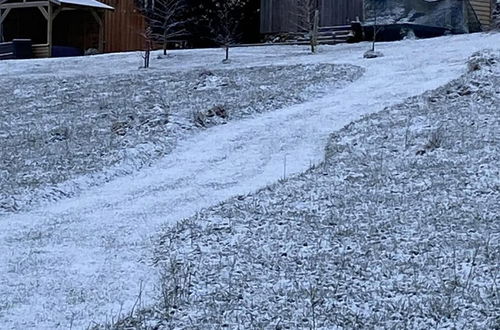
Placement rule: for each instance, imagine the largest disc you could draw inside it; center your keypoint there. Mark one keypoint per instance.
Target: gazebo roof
(86, 3)
(70, 3)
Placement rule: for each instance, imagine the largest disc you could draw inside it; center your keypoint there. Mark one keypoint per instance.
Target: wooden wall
(123, 27)
(278, 15)
(484, 10)
(340, 12)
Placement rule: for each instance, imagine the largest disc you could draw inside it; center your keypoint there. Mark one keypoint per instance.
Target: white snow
(87, 3)
(84, 259)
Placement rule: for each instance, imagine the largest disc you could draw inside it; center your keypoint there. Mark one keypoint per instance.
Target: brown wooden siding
(278, 15)
(123, 27)
(483, 9)
(340, 12)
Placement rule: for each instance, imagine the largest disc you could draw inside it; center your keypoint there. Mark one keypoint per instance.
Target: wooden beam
(44, 12)
(465, 10)
(56, 12)
(3, 16)
(1, 25)
(100, 21)
(24, 4)
(49, 28)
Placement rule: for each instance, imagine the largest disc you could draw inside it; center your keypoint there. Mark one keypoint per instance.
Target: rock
(408, 34)
(120, 127)
(482, 60)
(220, 111)
(59, 134)
(372, 54)
(91, 51)
(206, 73)
(496, 17)
(200, 119)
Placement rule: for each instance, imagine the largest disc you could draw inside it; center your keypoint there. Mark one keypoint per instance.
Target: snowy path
(84, 259)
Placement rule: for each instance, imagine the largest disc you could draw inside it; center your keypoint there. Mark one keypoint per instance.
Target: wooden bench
(41, 51)
(7, 51)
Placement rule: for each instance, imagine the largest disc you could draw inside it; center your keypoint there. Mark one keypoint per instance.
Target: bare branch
(224, 22)
(165, 20)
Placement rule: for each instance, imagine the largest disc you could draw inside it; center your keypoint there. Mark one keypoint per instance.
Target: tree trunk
(375, 31)
(164, 44)
(147, 54)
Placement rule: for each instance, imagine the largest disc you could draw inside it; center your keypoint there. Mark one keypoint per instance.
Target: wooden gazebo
(79, 23)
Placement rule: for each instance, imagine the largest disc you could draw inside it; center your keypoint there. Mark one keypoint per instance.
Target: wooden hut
(75, 24)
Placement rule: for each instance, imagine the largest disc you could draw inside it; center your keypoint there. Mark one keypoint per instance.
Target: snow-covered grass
(399, 227)
(496, 17)
(56, 129)
(84, 259)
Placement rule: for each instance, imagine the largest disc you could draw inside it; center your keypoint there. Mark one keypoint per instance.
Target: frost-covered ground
(54, 129)
(85, 259)
(398, 228)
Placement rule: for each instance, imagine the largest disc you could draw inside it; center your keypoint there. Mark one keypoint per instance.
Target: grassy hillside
(92, 129)
(398, 228)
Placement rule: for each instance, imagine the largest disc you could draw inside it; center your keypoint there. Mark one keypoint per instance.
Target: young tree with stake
(307, 15)
(224, 22)
(147, 35)
(376, 7)
(163, 23)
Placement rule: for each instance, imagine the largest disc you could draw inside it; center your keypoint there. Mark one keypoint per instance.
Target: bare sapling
(376, 9)
(166, 20)
(307, 18)
(147, 46)
(224, 23)
(163, 23)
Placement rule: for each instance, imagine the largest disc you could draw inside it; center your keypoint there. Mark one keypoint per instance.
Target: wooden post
(1, 25)
(314, 36)
(99, 20)
(465, 14)
(3, 15)
(448, 16)
(49, 28)
(270, 17)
